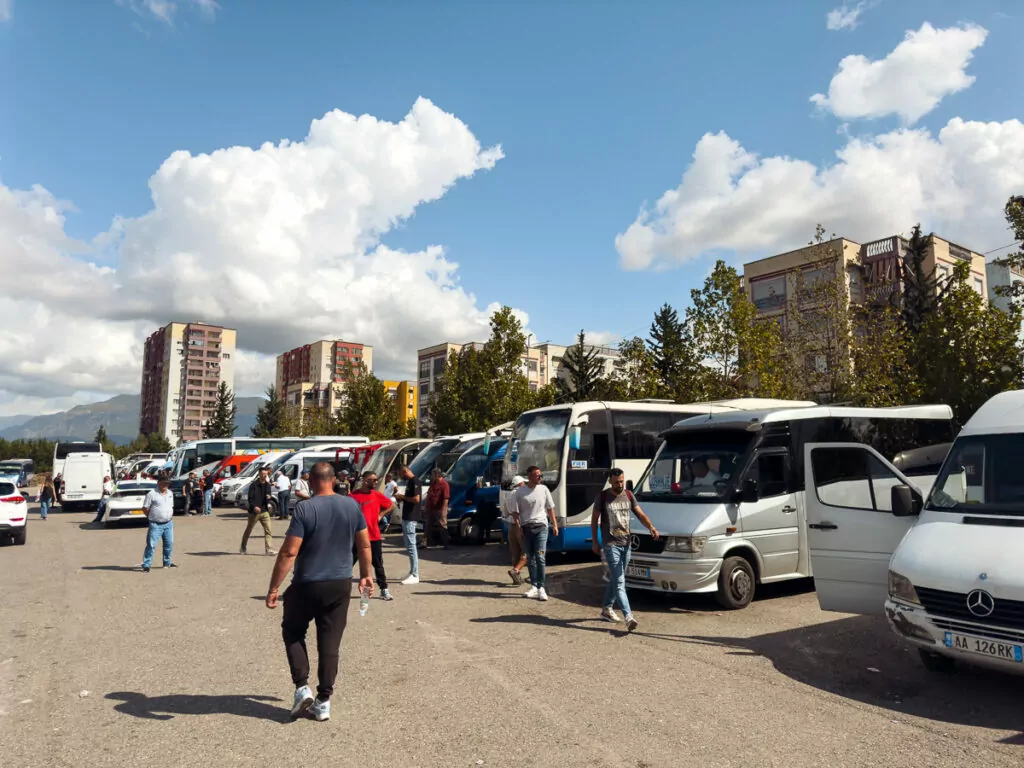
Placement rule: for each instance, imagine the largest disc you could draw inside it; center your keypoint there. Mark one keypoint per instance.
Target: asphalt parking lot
(103, 665)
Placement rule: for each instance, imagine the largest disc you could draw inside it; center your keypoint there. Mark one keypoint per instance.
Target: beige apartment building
(183, 364)
(314, 375)
(542, 364)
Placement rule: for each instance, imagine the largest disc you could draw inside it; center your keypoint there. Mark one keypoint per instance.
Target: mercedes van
(83, 479)
(943, 563)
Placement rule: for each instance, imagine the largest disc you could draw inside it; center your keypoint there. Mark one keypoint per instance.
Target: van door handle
(788, 510)
(823, 526)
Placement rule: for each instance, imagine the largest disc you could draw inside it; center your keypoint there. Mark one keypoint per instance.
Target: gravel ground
(103, 665)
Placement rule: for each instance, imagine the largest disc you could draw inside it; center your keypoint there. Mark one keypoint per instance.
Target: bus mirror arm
(748, 493)
(905, 502)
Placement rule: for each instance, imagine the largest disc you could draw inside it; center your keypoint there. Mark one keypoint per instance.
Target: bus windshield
(538, 440)
(697, 468)
(427, 458)
(468, 467)
(981, 474)
(380, 461)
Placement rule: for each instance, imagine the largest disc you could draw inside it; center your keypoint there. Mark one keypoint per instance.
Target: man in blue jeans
(532, 511)
(208, 485)
(411, 516)
(159, 510)
(612, 509)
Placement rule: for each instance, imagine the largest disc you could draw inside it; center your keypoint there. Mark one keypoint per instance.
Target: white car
(126, 503)
(13, 512)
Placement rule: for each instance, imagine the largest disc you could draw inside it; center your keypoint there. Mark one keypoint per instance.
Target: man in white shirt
(283, 488)
(702, 475)
(108, 491)
(533, 509)
(301, 487)
(159, 510)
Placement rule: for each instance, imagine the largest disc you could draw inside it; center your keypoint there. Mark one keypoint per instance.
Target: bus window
(637, 433)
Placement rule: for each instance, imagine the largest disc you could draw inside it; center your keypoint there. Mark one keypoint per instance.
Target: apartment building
(314, 375)
(183, 364)
(542, 364)
(404, 393)
(1002, 276)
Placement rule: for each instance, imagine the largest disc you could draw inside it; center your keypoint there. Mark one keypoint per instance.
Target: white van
(239, 484)
(83, 479)
(726, 492)
(944, 564)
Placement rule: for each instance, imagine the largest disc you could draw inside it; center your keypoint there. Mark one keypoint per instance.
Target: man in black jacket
(260, 492)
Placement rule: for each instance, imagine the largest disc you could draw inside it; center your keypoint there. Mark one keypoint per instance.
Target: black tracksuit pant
(326, 604)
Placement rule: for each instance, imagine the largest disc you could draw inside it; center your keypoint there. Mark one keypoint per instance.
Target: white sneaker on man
(608, 614)
(303, 700)
(542, 594)
(411, 579)
(321, 710)
(531, 592)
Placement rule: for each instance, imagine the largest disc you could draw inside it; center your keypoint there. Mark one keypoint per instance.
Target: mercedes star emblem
(980, 603)
(634, 541)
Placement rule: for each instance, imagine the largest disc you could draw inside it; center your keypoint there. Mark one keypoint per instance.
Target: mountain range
(119, 416)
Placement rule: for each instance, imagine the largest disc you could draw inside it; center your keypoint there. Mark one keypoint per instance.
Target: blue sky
(598, 108)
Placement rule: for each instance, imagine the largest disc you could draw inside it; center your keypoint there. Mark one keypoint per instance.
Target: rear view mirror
(749, 494)
(574, 438)
(905, 502)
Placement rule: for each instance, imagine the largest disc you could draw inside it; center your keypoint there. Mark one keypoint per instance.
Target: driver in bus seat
(702, 475)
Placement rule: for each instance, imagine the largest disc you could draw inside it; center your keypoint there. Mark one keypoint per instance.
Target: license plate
(72, 495)
(984, 647)
(638, 572)
(136, 512)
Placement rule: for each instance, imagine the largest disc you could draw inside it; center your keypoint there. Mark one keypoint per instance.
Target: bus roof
(1000, 414)
(710, 407)
(747, 419)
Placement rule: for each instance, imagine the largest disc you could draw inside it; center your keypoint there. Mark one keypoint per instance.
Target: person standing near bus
(189, 489)
(159, 510)
(260, 492)
(534, 508)
(301, 487)
(46, 497)
(375, 506)
(107, 492)
(209, 483)
(283, 489)
(436, 510)
(58, 488)
(390, 489)
(515, 532)
(612, 511)
(411, 515)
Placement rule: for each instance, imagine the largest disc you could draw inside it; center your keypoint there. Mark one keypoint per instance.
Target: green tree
(269, 415)
(156, 443)
(922, 292)
(1014, 211)
(370, 410)
(222, 423)
(674, 358)
(881, 353)
(634, 376)
(583, 369)
(101, 435)
(969, 351)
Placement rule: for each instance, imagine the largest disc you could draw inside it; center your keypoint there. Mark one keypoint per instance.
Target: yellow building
(405, 394)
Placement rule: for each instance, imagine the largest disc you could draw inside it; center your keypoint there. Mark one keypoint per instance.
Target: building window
(769, 294)
(439, 366)
(424, 389)
(226, 356)
(979, 286)
(425, 369)
(531, 365)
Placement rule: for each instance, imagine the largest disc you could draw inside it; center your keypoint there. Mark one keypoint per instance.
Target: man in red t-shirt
(435, 522)
(375, 505)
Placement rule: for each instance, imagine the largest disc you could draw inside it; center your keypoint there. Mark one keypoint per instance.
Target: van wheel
(470, 530)
(18, 537)
(936, 662)
(736, 583)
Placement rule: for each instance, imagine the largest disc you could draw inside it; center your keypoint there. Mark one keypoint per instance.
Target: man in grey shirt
(159, 510)
(534, 507)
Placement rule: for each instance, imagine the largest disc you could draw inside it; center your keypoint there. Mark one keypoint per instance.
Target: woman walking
(46, 496)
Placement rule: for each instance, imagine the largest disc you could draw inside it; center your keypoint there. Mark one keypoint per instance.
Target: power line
(986, 253)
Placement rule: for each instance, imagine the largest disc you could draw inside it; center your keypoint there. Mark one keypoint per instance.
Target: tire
(936, 662)
(470, 530)
(272, 507)
(18, 537)
(736, 583)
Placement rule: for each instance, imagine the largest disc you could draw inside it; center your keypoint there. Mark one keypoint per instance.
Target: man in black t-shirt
(412, 514)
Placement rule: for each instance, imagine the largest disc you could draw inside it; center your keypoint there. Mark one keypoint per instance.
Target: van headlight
(901, 588)
(691, 545)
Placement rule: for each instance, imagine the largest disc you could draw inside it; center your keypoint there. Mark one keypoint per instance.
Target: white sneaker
(411, 579)
(631, 622)
(303, 700)
(542, 594)
(386, 595)
(608, 614)
(321, 710)
(531, 592)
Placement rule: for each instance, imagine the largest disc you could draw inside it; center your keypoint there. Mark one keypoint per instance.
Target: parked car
(13, 512)
(126, 503)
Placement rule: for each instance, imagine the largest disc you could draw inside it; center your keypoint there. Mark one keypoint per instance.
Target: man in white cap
(515, 531)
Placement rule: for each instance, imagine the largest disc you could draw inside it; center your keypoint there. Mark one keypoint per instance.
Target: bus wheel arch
(737, 579)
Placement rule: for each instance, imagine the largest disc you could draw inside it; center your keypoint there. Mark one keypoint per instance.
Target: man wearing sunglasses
(375, 506)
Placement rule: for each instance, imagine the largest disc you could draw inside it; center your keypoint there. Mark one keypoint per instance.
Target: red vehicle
(362, 453)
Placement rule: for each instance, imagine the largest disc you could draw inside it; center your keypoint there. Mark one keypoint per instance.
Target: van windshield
(982, 474)
(696, 467)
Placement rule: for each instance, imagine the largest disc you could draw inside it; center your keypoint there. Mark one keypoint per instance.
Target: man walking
(515, 532)
(259, 511)
(612, 510)
(188, 489)
(301, 487)
(209, 484)
(108, 491)
(324, 532)
(436, 509)
(534, 507)
(375, 506)
(411, 515)
(158, 508)
(283, 489)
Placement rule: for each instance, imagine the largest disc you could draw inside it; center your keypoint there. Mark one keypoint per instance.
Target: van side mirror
(749, 493)
(905, 502)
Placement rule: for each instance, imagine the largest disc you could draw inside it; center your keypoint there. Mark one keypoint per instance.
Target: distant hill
(14, 421)
(119, 416)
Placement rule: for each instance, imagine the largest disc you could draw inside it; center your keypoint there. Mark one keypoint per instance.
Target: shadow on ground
(166, 707)
(210, 554)
(110, 568)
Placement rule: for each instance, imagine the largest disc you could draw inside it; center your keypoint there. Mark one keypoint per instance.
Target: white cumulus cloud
(164, 10)
(928, 65)
(845, 16)
(732, 200)
(282, 242)
(6, 10)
